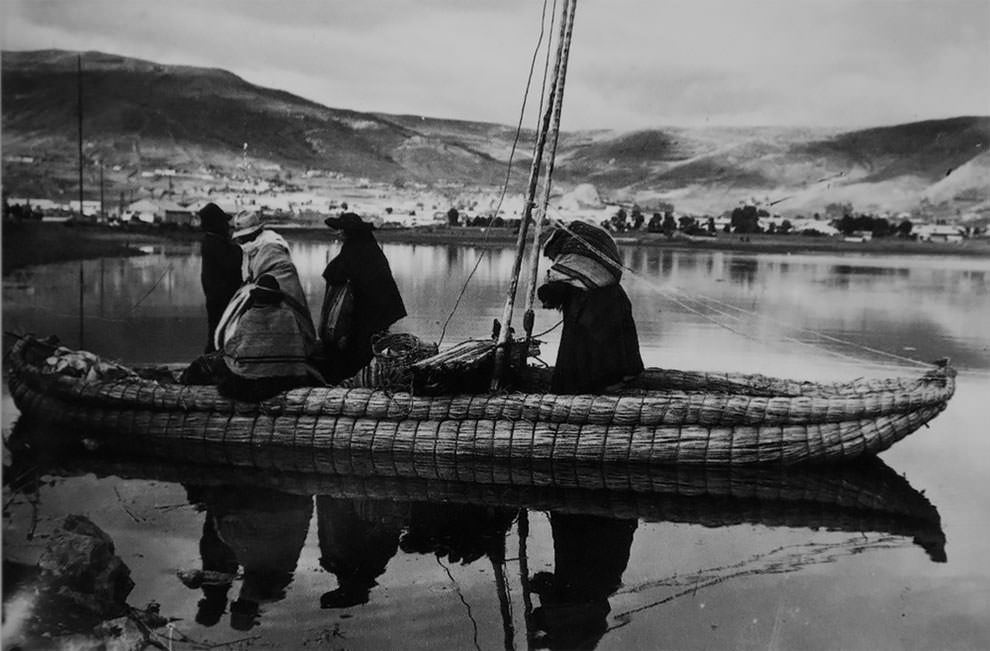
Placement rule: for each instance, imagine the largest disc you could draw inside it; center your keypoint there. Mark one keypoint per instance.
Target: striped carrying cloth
(584, 256)
(270, 337)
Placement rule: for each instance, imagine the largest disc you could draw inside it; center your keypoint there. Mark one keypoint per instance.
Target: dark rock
(80, 567)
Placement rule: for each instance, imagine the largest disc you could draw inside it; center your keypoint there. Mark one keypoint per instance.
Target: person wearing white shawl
(263, 252)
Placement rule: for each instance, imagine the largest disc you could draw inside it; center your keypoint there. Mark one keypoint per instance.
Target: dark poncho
(377, 302)
(598, 345)
(220, 276)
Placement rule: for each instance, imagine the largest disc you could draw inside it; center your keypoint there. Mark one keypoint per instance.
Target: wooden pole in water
(79, 116)
(534, 175)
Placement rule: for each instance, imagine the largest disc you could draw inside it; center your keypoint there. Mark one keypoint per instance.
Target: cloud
(634, 63)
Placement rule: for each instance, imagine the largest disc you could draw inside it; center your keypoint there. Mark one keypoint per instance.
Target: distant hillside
(142, 114)
(185, 115)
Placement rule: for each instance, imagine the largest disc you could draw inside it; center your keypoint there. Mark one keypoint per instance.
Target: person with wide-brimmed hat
(266, 252)
(221, 265)
(360, 277)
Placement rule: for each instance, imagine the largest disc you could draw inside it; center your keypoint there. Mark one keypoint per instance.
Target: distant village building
(814, 226)
(144, 210)
(939, 233)
(175, 214)
(859, 236)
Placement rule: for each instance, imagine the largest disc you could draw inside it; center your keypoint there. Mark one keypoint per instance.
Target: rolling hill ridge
(147, 114)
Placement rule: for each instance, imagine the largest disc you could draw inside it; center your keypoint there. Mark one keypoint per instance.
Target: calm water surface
(372, 554)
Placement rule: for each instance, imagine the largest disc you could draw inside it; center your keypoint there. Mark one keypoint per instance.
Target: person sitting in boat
(264, 252)
(268, 345)
(598, 345)
(361, 270)
(221, 265)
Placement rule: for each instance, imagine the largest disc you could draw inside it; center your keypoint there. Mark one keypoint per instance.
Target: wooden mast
(534, 251)
(556, 91)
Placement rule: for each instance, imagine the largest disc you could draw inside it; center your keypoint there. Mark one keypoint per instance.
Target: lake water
(886, 555)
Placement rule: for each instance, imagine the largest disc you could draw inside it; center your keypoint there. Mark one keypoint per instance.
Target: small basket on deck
(391, 367)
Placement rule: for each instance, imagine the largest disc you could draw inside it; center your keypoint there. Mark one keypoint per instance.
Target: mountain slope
(212, 114)
(141, 115)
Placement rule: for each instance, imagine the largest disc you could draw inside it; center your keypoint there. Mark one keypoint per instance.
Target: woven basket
(390, 368)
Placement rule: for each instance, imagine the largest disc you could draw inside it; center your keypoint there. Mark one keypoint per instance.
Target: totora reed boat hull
(662, 418)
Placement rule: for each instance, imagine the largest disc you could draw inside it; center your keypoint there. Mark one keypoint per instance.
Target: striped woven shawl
(584, 256)
(272, 340)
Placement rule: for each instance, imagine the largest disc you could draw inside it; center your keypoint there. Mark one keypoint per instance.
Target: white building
(939, 233)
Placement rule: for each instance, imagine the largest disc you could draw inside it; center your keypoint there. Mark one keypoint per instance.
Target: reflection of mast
(522, 527)
(505, 605)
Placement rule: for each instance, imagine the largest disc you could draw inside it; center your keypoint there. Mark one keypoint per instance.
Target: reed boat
(864, 496)
(663, 417)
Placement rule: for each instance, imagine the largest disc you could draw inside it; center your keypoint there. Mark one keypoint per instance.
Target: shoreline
(32, 243)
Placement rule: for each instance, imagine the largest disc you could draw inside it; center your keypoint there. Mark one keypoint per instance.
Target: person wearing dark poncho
(221, 270)
(377, 303)
(598, 345)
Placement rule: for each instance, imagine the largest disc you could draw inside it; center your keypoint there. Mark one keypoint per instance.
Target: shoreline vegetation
(33, 243)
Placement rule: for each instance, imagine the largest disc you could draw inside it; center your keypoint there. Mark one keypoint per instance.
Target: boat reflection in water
(258, 504)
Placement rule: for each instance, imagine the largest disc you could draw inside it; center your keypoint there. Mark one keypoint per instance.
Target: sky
(634, 63)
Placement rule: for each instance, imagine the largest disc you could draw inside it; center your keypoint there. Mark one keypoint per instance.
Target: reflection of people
(598, 345)
(221, 265)
(460, 532)
(590, 554)
(357, 540)
(217, 557)
(267, 346)
(377, 302)
(265, 531)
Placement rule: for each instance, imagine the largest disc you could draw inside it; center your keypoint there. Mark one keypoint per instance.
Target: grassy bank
(31, 243)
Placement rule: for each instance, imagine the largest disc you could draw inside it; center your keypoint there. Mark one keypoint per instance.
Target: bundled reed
(667, 426)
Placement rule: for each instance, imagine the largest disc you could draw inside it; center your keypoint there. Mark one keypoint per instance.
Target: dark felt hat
(213, 218)
(349, 221)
